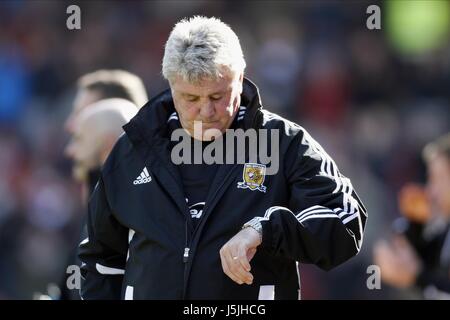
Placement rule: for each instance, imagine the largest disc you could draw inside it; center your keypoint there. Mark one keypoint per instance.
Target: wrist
(256, 225)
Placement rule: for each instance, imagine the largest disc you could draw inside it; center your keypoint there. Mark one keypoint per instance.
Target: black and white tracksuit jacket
(139, 225)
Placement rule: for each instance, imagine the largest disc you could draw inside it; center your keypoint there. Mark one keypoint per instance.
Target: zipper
(187, 244)
(187, 249)
(186, 254)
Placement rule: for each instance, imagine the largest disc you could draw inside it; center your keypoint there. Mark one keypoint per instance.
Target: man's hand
(236, 254)
(398, 262)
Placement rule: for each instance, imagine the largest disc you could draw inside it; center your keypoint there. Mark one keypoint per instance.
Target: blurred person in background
(96, 130)
(103, 84)
(94, 133)
(95, 86)
(419, 252)
(90, 143)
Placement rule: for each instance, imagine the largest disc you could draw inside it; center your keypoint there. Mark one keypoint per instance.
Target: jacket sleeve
(325, 221)
(103, 253)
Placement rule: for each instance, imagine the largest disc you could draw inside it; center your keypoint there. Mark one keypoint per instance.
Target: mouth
(214, 121)
(210, 124)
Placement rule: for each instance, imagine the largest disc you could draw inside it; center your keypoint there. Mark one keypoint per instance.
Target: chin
(211, 134)
(79, 174)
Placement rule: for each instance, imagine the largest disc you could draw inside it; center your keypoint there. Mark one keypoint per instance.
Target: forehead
(204, 87)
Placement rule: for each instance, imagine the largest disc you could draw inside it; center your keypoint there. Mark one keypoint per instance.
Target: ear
(241, 81)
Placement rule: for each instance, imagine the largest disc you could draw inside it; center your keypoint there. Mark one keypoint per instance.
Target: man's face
(439, 183)
(213, 102)
(83, 98)
(74, 150)
(83, 149)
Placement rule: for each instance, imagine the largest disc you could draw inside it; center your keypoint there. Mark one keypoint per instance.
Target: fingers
(397, 268)
(236, 254)
(243, 259)
(237, 269)
(236, 266)
(226, 266)
(250, 254)
(243, 267)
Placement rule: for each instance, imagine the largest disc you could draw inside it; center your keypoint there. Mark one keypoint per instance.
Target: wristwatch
(254, 223)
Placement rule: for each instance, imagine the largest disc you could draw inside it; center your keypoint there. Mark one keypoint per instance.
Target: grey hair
(200, 48)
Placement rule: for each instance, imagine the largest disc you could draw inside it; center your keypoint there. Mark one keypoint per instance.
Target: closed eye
(192, 98)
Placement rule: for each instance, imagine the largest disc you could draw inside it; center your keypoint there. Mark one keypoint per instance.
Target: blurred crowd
(373, 101)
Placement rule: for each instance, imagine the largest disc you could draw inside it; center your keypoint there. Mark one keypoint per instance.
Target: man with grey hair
(159, 229)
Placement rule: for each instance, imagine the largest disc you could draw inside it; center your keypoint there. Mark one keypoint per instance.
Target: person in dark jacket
(418, 256)
(233, 228)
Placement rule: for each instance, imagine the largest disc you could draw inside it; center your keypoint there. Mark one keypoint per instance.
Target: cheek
(87, 153)
(230, 104)
(83, 154)
(224, 112)
(440, 193)
(235, 103)
(433, 187)
(187, 112)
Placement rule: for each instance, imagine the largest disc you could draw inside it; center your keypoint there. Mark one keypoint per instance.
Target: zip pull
(186, 254)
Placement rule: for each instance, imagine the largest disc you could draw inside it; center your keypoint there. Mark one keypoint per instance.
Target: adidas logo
(144, 177)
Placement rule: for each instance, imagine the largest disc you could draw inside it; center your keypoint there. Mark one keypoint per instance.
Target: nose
(69, 150)
(207, 111)
(69, 125)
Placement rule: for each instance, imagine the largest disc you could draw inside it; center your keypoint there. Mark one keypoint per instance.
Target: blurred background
(372, 98)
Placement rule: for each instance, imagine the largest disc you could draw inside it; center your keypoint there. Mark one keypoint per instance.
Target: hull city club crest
(253, 176)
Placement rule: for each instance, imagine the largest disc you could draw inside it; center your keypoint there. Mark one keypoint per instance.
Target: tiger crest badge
(253, 175)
